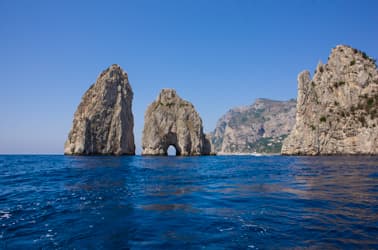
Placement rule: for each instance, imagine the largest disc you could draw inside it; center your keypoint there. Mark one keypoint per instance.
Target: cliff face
(337, 108)
(259, 128)
(171, 120)
(103, 122)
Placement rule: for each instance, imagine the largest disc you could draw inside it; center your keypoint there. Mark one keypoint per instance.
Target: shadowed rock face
(103, 122)
(337, 110)
(171, 120)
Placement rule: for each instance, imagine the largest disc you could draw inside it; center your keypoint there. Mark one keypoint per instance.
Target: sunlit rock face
(337, 109)
(103, 122)
(170, 120)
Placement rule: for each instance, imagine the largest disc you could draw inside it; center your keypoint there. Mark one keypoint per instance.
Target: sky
(217, 54)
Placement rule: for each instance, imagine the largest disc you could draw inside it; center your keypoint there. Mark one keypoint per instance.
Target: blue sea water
(223, 202)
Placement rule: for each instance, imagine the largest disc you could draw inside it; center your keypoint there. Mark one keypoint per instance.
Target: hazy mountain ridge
(257, 128)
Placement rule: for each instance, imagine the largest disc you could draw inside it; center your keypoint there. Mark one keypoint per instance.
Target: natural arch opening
(172, 151)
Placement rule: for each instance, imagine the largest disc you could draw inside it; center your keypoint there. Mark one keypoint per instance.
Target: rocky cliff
(258, 128)
(171, 120)
(103, 122)
(337, 108)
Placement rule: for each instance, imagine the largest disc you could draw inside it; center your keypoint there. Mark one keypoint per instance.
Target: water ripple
(58, 202)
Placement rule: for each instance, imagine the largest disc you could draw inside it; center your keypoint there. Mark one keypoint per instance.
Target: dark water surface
(58, 202)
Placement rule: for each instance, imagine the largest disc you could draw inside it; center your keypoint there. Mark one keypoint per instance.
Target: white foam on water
(225, 229)
(5, 215)
(250, 225)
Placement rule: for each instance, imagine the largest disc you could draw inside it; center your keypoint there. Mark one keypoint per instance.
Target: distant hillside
(258, 128)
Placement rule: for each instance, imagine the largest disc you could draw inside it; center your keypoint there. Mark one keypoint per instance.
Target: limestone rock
(337, 110)
(171, 120)
(258, 128)
(103, 123)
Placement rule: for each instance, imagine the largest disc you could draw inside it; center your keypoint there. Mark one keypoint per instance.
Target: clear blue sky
(216, 54)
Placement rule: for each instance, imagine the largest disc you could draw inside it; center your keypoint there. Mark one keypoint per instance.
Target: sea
(209, 202)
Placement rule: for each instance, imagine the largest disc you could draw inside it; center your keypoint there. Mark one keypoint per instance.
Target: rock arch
(172, 150)
(170, 120)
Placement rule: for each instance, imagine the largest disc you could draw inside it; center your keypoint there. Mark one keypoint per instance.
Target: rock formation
(258, 128)
(337, 108)
(171, 120)
(103, 123)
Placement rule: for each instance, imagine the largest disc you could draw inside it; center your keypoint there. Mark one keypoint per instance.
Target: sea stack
(337, 109)
(103, 122)
(170, 120)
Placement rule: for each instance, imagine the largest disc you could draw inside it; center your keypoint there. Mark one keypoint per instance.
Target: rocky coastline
(335, 113)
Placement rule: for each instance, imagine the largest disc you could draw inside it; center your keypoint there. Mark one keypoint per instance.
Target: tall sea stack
(337, 110)
(103, 122)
